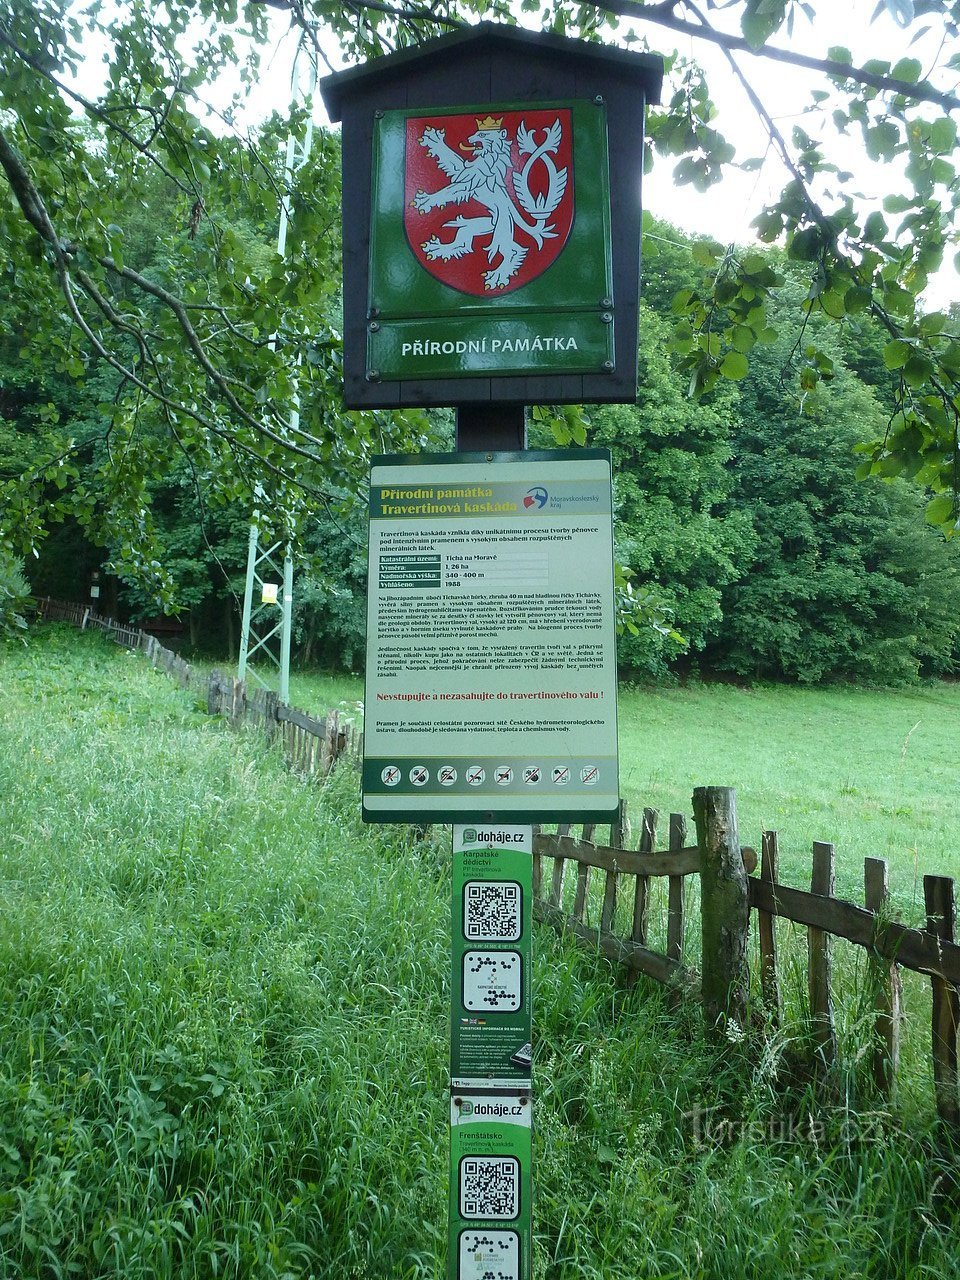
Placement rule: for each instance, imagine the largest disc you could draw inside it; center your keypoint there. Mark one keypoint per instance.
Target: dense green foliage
(223, 1041)
(140, 225)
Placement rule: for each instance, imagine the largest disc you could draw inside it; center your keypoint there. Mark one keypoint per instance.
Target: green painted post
(490, 1211)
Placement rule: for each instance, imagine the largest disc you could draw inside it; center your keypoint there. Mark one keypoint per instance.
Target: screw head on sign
(608, 366)
(373, 375)
(606, 302)
(374, 326)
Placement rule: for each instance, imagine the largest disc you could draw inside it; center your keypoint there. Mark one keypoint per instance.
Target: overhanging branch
(664, 16)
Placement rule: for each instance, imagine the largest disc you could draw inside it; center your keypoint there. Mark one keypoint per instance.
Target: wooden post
(238, 702)
(270, 703)
(820, 972)
(885, 980)
(555, 897)
(940, 902)
(677, 840)
(766, 928)
(641, 896)
(213, 693)
(608, 911)
(724, 909)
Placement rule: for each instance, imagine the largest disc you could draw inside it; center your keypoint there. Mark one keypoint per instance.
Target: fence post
(820, 972)
(724, 909)
(885, 979)
(766, 929)
(238, 702)
(938, 896)
(641, 893)
(677, 839)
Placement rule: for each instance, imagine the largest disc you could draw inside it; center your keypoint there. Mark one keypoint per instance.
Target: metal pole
(285, 626)
(248, 596)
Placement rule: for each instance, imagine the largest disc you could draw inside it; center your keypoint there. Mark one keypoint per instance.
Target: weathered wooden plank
(290, 715)
(214, 693)
(820, 961)
(641, 897)
(682, 862)
(911, 948)
(724, 910)
(886, 984)
(608, 911)
(677, 862)
(940, 902)
(582, 890)
(675, 924)
(769, 977)
(556, 886)
(620, 950)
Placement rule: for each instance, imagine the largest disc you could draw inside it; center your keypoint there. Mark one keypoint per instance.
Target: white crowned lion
(483, 177)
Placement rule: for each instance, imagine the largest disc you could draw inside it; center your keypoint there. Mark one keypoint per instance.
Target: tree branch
(663, 15)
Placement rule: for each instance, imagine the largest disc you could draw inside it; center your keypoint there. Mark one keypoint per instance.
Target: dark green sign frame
(561, 321)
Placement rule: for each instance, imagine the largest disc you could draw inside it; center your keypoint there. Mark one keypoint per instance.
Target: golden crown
(488, 122)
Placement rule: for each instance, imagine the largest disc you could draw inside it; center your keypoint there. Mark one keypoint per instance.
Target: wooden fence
(311, 745)
(607, 905)
(612, 883)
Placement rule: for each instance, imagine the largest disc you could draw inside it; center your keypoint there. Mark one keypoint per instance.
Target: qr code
(492, 910)
(487, 1254)
(489, 1187)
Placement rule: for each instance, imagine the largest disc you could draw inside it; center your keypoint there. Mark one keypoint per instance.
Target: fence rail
(311, 744)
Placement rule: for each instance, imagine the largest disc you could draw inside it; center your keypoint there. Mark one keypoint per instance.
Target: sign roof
(338, 88)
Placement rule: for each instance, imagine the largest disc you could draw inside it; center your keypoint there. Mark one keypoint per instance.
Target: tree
(675, 527)
(844, 580)
(211, 342)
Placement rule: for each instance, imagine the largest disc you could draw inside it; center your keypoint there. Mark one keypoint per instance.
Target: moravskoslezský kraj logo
(535, 498)
(510, 179)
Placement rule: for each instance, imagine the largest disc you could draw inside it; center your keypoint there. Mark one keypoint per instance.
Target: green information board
(490, 242)
(490, 1187)
(490, 1040)
(491, 678)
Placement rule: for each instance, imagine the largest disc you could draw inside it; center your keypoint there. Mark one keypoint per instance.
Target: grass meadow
(223, 1008)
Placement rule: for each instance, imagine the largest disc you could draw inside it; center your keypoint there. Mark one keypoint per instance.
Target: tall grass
(223, 1023)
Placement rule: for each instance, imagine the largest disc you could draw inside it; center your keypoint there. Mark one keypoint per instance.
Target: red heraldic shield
(489, 198)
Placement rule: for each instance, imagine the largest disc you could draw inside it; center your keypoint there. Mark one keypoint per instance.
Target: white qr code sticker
(489, 1187)
(489, 1254)
(492, 911)
(492, 981)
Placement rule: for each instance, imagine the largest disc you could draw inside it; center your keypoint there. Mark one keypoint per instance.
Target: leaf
(940, 510)
(943, 135)
(734, 366)
(902, 11)
(897, 353)
(908, 69)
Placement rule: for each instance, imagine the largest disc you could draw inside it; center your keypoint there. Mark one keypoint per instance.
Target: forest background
(747, 517)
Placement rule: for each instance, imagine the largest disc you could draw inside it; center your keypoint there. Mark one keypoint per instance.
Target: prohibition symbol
(590, 775)
(561, 775)
(447, 776)
(390, 775)
(419, 776)
(504, 775)
(532, 775)
(475, 775)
